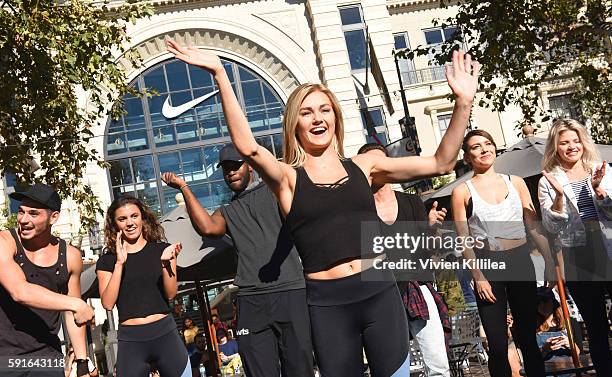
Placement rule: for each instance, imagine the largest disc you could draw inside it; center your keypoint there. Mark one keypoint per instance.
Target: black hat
(229, 153)
(42, 194)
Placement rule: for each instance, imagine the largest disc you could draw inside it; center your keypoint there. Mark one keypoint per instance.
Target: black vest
(25, 330)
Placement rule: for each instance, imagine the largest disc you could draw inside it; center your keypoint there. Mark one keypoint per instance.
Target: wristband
(82, 367)
(183, 186)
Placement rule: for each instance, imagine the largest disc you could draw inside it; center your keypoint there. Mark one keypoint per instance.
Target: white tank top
(502, 220)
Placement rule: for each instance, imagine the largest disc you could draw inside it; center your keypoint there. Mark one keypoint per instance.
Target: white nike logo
(170, 111)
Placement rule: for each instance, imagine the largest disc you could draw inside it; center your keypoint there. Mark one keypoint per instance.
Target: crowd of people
(309, 292)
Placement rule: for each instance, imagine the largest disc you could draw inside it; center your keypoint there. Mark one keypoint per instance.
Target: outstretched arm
(463, 80)
(271, 170)
(205, 224)
(14, 281)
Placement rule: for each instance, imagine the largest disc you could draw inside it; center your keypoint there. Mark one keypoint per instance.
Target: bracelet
(183, 186)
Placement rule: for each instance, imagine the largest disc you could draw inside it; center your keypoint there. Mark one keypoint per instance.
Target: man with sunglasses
(273, 329)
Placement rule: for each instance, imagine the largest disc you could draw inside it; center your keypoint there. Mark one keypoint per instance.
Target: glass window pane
(169, 201)
(269, 94)
(211, 155)
(164, 136)
(433, 36)
(448, 33)
(202, 192)
(148, 194)
(134, 119)
(120, 172)
(210, 125)
(123, 190)
(155, 106)
(266, 142)
(278, 145)
(220, 194)
(169, 162)
(178, 99)
(257, 119)
(199, 77)
(193, 164)
(356, 44)
(228, 69)
(177, 75)
(115, 144)
(274, 116)
(252, 93)
(187, 133)
(143, 168)
(155, 80)
(245, 74)
(350, 15)
(137, 140)
(400, 41)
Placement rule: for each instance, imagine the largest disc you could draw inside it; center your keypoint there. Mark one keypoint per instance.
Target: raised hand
(553, 182)
(435, 216)
(171, 252)
(463, 77)
(195, 56)
(600, 172)
(173, 180)
(120, 249)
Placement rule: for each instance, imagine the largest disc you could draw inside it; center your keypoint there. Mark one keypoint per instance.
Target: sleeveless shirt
(25, 330)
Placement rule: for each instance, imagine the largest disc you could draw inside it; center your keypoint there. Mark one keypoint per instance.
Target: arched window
(186, 137)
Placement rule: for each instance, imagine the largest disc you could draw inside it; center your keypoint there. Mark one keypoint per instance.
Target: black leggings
(155, 343)
(521, 295)
(588, 274)
(347, 315)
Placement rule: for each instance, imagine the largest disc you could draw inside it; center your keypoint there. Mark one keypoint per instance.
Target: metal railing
(424, 75)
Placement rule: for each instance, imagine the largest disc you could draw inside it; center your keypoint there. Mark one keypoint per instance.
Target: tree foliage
(524, 43)
(52, 54)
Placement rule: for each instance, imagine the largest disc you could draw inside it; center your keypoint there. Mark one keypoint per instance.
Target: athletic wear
(142, 288)
(412, 220)
(158, 343)
(326, 222)
(348, 315)
(584, 198)
(273, 327)
(267, 259)
(521, 295)
(501, 220)
(31, 331)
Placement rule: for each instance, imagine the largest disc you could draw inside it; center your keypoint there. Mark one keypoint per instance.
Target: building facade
(269, 48)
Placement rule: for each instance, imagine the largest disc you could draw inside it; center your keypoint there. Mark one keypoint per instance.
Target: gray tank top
(25, 330)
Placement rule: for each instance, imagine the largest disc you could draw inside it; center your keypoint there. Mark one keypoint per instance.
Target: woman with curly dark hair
(137, 274)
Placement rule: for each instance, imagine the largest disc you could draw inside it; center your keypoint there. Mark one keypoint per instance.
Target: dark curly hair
(151, 229)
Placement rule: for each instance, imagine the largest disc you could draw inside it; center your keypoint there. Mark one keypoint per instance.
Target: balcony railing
(424, 75)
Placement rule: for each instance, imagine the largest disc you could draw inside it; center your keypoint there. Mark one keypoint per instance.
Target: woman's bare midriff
(508, 244)
(343, 269)
(144, 320)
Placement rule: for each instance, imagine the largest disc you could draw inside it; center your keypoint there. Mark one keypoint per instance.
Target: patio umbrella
(202, 258)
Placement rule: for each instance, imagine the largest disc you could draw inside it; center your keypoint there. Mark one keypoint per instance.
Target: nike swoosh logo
(170, 111)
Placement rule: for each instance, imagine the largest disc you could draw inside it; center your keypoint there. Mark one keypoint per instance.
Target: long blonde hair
(590, 155)
(293, 152)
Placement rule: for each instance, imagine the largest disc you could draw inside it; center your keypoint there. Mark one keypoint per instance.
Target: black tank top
(25, 330)
(326, 222)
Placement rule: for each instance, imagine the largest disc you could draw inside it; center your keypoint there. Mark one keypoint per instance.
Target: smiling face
(34, 219)
(569, 147)
(480, 152)
(128, 219)
(237, 174)
(316, 122)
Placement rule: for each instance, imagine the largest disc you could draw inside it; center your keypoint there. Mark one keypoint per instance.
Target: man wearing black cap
(273, 328)
(40, 278)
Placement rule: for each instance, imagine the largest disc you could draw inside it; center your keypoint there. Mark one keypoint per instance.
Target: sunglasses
(228, 166)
